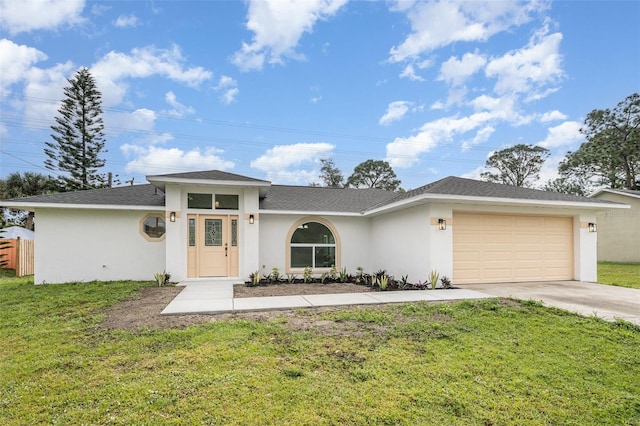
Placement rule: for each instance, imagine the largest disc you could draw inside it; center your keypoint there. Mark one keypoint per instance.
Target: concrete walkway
(212, 297)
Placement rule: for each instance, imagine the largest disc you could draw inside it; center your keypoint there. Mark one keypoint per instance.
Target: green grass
(619, 274)
(469, 363)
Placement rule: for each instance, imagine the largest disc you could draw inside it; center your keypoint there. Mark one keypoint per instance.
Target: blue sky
(268, 88)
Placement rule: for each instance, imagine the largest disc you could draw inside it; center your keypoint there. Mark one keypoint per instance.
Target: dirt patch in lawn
(298, 289)
(143, 311)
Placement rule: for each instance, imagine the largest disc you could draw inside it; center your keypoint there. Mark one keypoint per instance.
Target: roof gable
(624, 192)
(214, 175)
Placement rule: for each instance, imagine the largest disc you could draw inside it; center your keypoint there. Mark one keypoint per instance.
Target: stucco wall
(619, 230)
(400, 243)
(87, 245)
(353, 232)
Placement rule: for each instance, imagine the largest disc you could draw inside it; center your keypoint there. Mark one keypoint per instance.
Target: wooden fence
(19, 256)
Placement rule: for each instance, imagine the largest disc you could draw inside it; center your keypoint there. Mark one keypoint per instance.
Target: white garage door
(511, 248)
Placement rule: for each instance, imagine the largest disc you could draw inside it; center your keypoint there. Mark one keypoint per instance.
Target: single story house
(619, 230)
(218, 224)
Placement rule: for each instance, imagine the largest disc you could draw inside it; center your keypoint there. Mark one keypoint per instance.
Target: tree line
(610, 156)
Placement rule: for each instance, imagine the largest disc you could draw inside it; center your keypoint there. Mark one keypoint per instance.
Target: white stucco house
(217, 224)
(619, 230)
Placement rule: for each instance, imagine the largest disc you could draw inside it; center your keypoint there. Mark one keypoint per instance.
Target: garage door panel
(507, 248)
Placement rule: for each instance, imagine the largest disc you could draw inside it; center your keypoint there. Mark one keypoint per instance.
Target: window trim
(288, 245)
(149, 216)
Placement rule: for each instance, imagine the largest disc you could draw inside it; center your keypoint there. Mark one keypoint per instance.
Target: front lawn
(474, 362)
(620, 274)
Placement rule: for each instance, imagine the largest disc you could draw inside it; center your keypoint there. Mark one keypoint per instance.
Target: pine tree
(78, 140)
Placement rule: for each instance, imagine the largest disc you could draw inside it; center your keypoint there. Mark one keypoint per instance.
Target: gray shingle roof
(474, 188)
(309, 198)
(210, 175)
(136, 195)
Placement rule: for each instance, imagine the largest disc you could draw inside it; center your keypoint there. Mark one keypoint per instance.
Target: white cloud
(28, 15)
(114, 67)
(481, 136)
(554, 115)
(278, 162)
(529, 69)
(475, 173)
(127, 21)
(16, 62)
(563, 134)
(142, 119)
(277, 27)
(156, 160)
(395, 111)
(229, 89)
(456, 71)
(410, 73)
(436, 24)
(45, 84)
(178, 110)
(404, 151)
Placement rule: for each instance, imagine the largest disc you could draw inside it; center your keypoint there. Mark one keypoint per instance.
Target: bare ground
(298, 289)
(144, 310)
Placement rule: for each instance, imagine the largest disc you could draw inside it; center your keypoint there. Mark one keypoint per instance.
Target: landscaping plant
(433, 278)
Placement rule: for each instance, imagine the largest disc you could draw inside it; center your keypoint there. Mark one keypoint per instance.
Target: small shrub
(307, 275)
(254, 278)
(344, 277)
(433, 278)
(275, 274)
(162, 278)
(404, 282)
(446, 282)
(333, 273)
(291, 278)
(383, 282)
(323, 278)
(359, 275)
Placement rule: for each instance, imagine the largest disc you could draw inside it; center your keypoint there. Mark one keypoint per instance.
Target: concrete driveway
(604, 301)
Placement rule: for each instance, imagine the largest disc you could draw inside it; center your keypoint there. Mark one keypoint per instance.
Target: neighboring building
(218, 224)
(619, 230)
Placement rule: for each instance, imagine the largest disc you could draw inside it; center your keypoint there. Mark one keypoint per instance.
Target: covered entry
(511, 248)
(212, 246)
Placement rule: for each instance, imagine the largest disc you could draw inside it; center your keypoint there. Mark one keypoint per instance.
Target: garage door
(511, 248)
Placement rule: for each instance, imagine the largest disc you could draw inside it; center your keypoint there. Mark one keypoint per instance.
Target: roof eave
(466, 199)
(161, 181)
(311, 213)
(34, 206)
(613, 191)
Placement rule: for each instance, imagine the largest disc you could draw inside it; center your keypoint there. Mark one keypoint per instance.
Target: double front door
(212, 246)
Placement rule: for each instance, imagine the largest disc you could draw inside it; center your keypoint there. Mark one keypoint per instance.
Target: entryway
(212, 246)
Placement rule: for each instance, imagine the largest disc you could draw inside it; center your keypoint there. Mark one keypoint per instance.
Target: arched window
(312, 244)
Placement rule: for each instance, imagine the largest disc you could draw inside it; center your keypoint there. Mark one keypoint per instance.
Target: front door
(212, 246)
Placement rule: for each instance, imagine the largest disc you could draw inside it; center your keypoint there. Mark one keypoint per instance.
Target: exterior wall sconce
(592, 227)
(252, 219)
(442, 224)
(172, 217)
